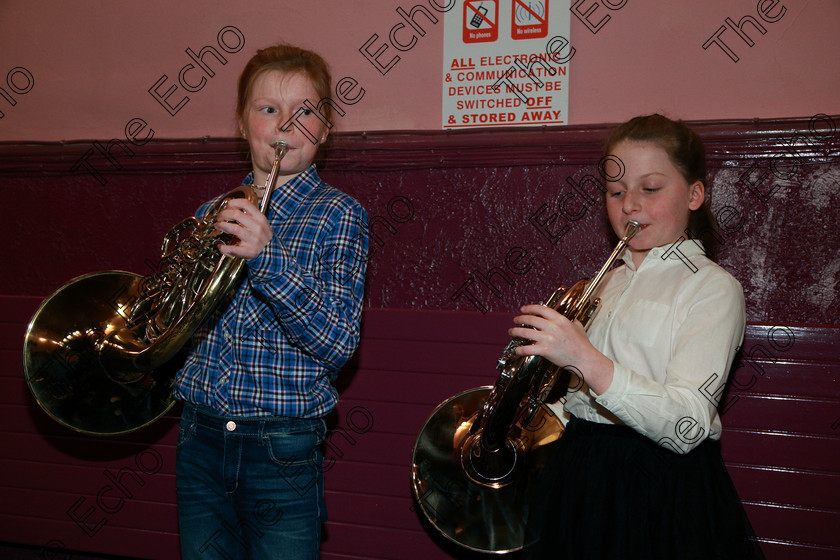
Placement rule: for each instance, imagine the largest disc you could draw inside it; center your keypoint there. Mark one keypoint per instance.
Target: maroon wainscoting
(507, 215)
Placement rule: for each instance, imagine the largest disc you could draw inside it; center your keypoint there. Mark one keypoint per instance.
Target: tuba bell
(477, 460)
(100, 354)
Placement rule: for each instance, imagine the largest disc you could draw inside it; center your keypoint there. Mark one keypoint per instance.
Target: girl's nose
(284, 124)
(285, 121)
(630, 203)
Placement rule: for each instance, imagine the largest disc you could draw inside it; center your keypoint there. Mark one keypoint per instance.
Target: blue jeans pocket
(297, 457)
(293, 447)
(186, 428)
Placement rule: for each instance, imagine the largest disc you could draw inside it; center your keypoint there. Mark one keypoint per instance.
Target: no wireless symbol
(529, 19)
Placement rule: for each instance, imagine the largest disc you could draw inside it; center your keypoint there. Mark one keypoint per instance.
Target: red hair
(287, 59)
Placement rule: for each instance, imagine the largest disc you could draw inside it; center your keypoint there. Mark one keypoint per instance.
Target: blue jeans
(249, 487)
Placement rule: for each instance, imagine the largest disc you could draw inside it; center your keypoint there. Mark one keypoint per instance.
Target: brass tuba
(477, 460)
(100, 353)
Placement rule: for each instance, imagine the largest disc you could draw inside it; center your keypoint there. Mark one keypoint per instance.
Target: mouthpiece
(280, 148)
(632, 229)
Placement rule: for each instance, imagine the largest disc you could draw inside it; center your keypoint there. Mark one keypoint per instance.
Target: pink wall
(93, 62)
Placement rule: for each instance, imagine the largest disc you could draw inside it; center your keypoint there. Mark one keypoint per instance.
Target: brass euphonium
(99, 353)
(478, 457)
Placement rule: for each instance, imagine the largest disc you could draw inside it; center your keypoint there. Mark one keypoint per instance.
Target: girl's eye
(651, 189)
(267, 110)
(616, 194)
(305, 111)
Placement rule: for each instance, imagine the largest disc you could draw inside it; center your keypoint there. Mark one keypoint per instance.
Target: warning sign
(530, 19)
(481, 21)
(515, 77)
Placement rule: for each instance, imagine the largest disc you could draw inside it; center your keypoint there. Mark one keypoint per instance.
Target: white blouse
(672, 329)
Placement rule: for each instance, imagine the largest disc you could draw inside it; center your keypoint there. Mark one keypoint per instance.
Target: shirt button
(227, 335)
(230, 426)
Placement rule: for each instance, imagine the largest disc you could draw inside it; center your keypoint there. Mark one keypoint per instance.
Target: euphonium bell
(477, 460)
(100, 353)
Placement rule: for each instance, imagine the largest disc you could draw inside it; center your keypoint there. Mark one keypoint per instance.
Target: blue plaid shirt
(273, 348)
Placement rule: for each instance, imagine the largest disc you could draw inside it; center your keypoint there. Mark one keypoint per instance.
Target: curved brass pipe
(479, 455)
(100, 353)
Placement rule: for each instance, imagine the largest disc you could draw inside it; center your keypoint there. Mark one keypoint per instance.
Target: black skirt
(609, 492)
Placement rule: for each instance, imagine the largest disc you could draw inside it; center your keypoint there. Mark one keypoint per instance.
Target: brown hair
(285, 58)
(686, 152)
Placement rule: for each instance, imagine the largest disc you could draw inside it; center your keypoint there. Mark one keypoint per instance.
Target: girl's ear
(241, 126)
(696, 195)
